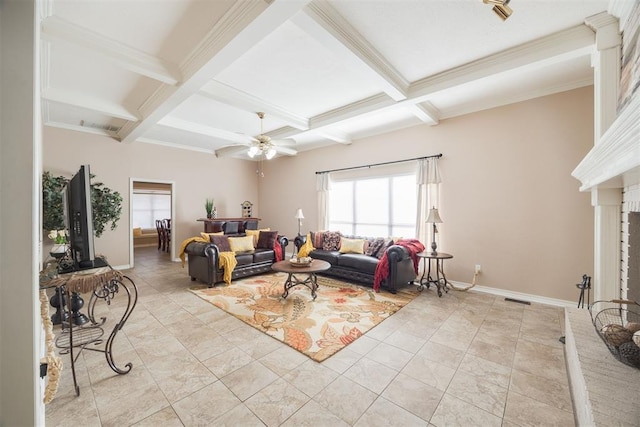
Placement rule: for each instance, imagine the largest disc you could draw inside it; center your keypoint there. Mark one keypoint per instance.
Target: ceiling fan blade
(230, 150)
(287, 142)
(285, 150)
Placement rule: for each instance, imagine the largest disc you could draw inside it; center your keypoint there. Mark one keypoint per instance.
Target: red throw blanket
(278, 251)
(413, 246)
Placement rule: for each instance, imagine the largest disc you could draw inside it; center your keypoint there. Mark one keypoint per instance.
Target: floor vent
(518, 301)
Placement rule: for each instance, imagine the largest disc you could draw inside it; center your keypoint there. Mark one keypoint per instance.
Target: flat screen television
(78, 216)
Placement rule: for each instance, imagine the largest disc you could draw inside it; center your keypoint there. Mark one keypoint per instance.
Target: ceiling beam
(56, 29)
(328, 27)
(97, 105)
(426, 112)
(221, 92)
(558, 47)
(244, 25)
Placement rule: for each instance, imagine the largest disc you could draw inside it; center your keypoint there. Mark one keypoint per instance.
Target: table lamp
(299, 216)
(434, 218)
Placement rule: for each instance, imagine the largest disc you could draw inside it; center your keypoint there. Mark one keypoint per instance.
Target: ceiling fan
(261, 146)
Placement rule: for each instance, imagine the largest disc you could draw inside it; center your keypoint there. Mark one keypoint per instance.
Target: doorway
(150, 201)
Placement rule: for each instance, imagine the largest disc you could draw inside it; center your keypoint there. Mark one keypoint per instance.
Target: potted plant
(105, 204)
(208, 205)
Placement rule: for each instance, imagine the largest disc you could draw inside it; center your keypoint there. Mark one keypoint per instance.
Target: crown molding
(97, 105)
(56, 29)
(328, 27)
(193, 127)
(153, 141)
(512, 98)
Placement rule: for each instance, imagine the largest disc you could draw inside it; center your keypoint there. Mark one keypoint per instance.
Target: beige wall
(508, 200)
(196, 176)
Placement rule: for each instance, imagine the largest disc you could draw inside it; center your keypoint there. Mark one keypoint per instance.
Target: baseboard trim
(517, 295)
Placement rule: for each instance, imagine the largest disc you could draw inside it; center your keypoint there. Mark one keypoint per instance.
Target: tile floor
(466, 359)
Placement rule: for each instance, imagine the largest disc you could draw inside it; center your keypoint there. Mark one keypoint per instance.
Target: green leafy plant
(105, 204)
(208, 205)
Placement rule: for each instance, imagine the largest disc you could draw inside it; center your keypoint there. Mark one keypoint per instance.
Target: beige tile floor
(466, 359)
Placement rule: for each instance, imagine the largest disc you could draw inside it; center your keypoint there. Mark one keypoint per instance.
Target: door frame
(174, 223)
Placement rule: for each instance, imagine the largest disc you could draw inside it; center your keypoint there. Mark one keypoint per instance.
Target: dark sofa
(204, 266)
(361, 268)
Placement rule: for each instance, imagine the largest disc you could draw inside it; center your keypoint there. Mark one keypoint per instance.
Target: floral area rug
(341, 313)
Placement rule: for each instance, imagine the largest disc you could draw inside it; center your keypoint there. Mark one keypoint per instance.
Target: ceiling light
(500, 8)
(253, 150)
(270, 153)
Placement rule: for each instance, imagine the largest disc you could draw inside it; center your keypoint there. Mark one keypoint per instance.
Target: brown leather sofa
(361, 268)
(203, 261)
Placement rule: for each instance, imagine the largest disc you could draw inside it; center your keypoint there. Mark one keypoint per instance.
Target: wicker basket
(615, 322)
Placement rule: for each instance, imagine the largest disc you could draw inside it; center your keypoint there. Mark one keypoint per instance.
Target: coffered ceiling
(193, 73)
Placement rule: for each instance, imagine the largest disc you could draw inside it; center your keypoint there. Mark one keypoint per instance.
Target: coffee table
(310, 281)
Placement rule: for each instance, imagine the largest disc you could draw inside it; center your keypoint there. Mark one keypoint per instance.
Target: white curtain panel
(428, 187)
(323, 186)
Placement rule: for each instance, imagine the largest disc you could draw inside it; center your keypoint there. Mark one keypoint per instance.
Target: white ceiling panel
(291, 69)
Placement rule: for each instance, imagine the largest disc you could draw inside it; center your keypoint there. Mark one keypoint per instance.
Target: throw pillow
(222, 242)
(317, 238)
(374, 247)
(241, 244)
(331, 240)
(385, 245)
(267, 239)
(351, 246)
(137, 232)
(255, 234)
(306, 249)
(207, 236)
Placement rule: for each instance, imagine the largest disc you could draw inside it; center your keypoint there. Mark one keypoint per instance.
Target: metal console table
(440, 280)
(104, 283)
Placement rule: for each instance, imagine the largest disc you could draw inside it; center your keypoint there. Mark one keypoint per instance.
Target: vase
(214, 214)
(58, 250)
(209, 215)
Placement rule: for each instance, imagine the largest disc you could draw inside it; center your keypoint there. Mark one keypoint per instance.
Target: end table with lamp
(427, 279)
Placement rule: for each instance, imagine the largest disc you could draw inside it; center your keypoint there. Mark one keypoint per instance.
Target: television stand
(72, 266)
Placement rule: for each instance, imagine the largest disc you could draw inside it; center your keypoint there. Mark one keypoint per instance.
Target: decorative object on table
(214, 213)
(299, 216)
(300, 261)
(60, 246)
(247, 206)
(341, 312)
(434, 218)
(615, 322)
(208, 206)
(106, 205)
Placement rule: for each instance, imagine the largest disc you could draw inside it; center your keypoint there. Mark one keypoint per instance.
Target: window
(149, 206)
(374, 206)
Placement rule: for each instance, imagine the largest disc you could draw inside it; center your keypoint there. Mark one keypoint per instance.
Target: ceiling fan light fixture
(271, 152)
(253, 150)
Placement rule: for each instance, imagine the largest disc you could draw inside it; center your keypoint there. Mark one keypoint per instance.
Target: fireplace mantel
(614, 162)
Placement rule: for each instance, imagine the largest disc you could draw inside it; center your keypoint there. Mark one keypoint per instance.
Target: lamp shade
(299, 214)
(434, 216)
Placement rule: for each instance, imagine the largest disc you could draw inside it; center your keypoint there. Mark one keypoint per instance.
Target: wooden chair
(159, 229)
(166, 228)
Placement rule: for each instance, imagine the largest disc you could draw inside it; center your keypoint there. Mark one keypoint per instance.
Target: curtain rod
(437, 156)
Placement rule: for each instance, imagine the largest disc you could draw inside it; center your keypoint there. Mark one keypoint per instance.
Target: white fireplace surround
(613, 166)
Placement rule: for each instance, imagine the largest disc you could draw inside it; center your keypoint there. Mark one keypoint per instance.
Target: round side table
(427, 279)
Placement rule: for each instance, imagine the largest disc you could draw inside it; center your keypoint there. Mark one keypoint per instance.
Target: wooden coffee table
(310, 281)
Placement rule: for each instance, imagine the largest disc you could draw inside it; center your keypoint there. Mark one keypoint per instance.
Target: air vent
(107, 128)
